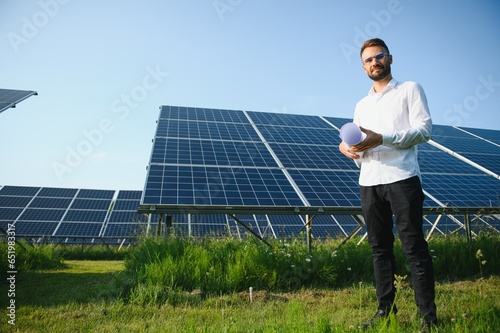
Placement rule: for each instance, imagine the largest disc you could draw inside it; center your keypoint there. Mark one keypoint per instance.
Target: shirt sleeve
(419, 127)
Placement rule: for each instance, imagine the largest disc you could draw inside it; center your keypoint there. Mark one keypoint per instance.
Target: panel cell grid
(95, 194)
(19, 190)
(35, 229)
(121, 230)
(467, 145)
(211, 152)
(41, 214)
(328, 188)
(463, 190)
(57, 192)
(300, 135)
(14, 201)
(442, 162)
(79, 229)
(312, 157)
(78, 215)
(206, 130)
(59, 203)
(202, 114)
(10, 214)
(129, 195)
(487, 134)
(184, 185)
(90, 204)
(286, 119)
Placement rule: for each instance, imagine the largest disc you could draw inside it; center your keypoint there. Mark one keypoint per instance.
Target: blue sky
(103, 68)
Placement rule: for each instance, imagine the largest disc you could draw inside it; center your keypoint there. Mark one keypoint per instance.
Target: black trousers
(403, 199)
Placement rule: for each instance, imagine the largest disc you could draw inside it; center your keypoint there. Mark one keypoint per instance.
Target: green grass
(115, 296)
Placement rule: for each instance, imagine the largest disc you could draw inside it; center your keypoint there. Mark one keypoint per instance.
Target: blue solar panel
(227, 158)
(90, 204)
(486, 134)
(328, 188)
(202, 114)
(448, 132)
(14, 201)
(40, 202)
(463, 190)
(76, 215)
(300, 135)
(40, 214)
(129, 195)
(469, 145)
(442, 162)
(489, 161)
(338, 122)
(57, 192)
(299, 156)
(127, 205)
(122, 230)
(123, 220)
(19, 190)
(289, 120)
(186, 185)
(211, 152)
(35, 229)
(9, 97)
(10, 214)
(206, 130)
(79, 229)
(95, 194)
(130, 217)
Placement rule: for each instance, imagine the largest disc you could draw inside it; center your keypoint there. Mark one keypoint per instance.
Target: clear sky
(103, 68)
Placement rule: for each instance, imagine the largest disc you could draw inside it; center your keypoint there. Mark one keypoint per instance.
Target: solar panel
(218, 186)
(9, 97)
(475, 148)
(462, 191)
(287, 120)
(487, 134)
(211, 152)
(124, 221)
(19, 190)
(328, 188)
(213, 161)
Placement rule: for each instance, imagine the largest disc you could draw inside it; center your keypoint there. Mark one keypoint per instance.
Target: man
(395, 118)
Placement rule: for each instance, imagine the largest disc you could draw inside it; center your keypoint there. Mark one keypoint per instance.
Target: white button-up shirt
(400, 113)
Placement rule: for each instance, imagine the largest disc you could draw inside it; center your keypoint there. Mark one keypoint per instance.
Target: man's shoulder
(408, 85)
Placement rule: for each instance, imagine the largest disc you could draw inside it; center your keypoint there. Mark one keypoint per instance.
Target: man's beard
(382, 74)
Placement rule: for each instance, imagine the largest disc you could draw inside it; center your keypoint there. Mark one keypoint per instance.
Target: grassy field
(96, 296)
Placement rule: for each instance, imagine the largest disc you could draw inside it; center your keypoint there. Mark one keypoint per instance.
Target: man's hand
(371, 141)
(347, 152)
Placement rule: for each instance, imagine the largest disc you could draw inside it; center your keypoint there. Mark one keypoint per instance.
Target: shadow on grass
(47, 289)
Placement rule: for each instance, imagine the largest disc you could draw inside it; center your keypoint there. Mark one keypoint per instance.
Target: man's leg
(407, 202)
(378, 218)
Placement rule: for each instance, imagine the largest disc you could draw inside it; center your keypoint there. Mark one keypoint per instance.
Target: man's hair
(373, 42)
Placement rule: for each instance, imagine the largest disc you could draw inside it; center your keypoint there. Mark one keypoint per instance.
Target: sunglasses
(379, 56)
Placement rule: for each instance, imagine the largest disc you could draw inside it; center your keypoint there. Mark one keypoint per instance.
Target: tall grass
(31, 257)
(169, 271)
(165, 269)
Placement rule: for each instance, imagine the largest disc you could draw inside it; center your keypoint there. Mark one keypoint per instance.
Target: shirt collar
(391, 85)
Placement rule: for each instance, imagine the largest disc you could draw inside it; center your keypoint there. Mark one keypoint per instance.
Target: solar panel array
(73, 215)
(9, 97)
(63, 213)
(216, 161)
(269, 170)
